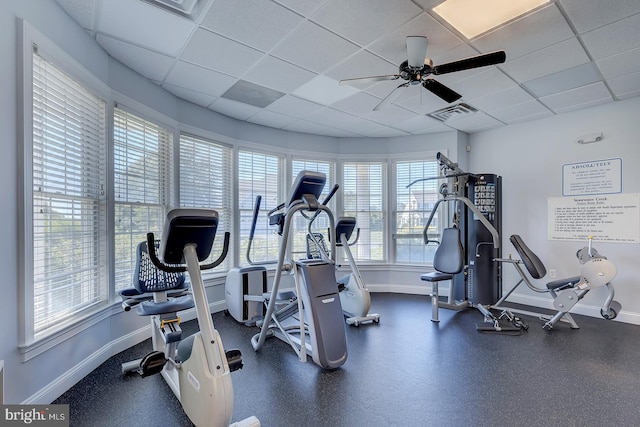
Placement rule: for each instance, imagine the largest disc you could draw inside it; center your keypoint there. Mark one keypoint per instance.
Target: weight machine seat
(536, 268)
(449, 257)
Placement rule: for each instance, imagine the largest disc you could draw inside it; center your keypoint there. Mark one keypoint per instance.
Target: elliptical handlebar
(151, 247)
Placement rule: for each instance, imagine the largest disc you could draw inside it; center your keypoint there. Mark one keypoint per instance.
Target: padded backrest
(449, 257)
(148, 278)
(534, 265)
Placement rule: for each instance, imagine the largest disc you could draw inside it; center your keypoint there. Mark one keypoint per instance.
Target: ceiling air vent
(453, 112)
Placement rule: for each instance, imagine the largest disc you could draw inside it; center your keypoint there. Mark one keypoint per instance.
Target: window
(364, 197)
(412, 210)
(142, 186)
(259, 174)
(65, 201)
(300, 224)
(205, 182)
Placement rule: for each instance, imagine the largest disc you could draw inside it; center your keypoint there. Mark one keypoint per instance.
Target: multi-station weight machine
(477, 219)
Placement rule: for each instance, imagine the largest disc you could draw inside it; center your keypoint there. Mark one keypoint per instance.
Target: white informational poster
(594, 177)
(607, 218)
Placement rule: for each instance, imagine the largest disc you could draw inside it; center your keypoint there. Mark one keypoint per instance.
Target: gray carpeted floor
(404, 371)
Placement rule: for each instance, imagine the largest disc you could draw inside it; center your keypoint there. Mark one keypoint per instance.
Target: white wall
(529, 156)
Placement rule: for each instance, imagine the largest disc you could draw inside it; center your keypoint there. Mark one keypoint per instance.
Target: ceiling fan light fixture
(416, 51)
(475, 17)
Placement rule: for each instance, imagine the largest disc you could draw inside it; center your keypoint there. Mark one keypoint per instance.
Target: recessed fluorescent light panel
(474, 17)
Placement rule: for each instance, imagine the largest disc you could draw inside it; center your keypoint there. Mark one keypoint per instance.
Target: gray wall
(52, 372)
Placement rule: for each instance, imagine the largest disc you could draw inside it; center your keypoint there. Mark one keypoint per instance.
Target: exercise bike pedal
(152, 363)
(234, 359)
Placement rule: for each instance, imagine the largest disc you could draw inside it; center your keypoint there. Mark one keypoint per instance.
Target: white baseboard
(530, 300)
(67, 380)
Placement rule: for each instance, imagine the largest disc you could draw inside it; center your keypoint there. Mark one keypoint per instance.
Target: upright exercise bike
(197, 369)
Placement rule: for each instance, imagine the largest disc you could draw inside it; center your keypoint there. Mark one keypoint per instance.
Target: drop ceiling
(278, 63)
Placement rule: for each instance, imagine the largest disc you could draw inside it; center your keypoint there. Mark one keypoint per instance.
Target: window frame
(226, 210)
(421, 157)
(31, 343)
(383, 161)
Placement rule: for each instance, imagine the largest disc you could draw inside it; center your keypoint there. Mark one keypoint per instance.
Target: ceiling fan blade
(370, 79)
(390, 98)
(438, 89)
(473, 62)
(416, 51)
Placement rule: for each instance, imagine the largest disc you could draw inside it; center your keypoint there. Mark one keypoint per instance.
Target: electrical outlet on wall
(552, 273)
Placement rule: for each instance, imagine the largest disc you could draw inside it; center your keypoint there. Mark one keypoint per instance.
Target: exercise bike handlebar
(151, 247)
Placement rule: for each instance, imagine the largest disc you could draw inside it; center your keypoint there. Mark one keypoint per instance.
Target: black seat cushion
(559, 284)
(436, 276)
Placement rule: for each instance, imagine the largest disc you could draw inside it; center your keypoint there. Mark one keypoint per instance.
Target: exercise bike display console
(197, 369)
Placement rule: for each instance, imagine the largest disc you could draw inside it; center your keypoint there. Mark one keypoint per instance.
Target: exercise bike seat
(147, 280)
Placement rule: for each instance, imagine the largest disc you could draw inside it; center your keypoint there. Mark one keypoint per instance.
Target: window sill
(68, 330)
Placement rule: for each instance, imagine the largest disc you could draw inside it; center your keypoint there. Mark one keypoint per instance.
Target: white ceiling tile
(626, 86)
(144, 25)
(618, 65)
(278, 74)
(313, 48)
(303, 7)
(589, 14)
(361, 64)
(390, 115)
(363, 21)
(294, 106)
(428, 4)
(305, 126)
(271, 119)
(199, 79)
(564, 80)
(257, 23)
(560, 56)
(152, 65)
(331, 117)
(82, 11)
(358, 104)
(521, 112)
(393, 47)
(219, 53)
(592, 94)
(525, 35)
(237, 110)
(613, 38)
(474, 122)
(419, 124)
(487, 81)
(501, 99)
(422, 102)
(197, 98)
(324, 90)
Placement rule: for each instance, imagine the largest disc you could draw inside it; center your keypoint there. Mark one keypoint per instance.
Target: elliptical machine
(354, 295)
(197, 369)
(310, 317)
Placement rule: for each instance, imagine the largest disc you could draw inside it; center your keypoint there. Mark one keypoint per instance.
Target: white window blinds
(364, 197)
(320, 224)
(68, 226)
(142, 170)
(259, 174)
(412, 209)
(206, 172)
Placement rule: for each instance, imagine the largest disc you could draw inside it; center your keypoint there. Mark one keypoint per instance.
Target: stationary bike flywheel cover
(598, 272)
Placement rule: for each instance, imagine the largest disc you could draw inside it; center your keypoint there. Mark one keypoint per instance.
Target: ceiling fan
(417, 68)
